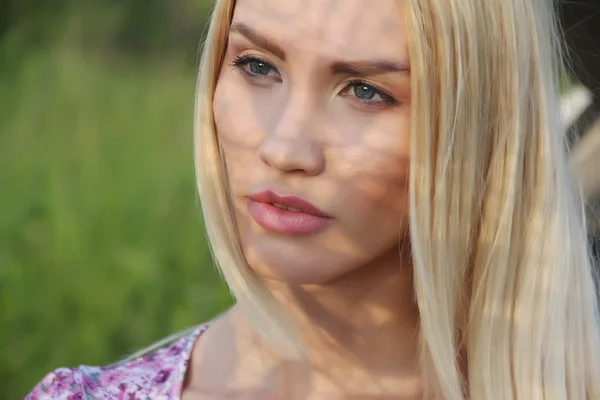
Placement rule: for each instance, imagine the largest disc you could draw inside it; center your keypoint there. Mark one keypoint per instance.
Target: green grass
(102, 248)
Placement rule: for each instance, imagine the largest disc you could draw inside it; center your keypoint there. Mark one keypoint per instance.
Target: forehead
(359, 28)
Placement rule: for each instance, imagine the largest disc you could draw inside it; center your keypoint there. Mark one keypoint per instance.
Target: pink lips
(307, 220)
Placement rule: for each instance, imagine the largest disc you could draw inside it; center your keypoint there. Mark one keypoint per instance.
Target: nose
(291, 144)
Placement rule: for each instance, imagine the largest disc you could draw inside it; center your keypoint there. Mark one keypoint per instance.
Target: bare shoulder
(224, 363)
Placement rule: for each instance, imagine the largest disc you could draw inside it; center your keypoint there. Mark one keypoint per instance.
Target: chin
(314, 269)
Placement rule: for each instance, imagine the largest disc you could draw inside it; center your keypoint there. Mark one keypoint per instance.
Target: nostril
(287, 155)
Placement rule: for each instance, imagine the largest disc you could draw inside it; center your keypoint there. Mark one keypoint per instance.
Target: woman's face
(312, 112)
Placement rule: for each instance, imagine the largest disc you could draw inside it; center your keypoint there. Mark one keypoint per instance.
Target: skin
(291, 117)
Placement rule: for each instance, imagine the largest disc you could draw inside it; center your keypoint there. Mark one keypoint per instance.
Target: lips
(288, 215)
(288, 202)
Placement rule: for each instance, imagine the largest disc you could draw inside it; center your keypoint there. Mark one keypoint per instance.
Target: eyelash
(240, 62)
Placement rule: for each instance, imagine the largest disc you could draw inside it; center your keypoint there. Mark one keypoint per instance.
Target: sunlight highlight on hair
(501, 266)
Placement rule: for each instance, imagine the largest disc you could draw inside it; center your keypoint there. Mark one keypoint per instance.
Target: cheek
(380, 191)
(235, 114)
(237, 127)
(374, 164)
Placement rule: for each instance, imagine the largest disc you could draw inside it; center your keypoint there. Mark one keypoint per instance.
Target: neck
(357, 315)
(362, 325)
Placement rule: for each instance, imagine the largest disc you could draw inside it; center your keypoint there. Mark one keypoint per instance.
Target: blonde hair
(515, 291)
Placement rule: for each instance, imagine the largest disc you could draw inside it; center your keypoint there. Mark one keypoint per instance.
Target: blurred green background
(102, 246)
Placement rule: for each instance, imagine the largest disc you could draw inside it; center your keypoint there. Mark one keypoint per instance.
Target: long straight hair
(508, 307)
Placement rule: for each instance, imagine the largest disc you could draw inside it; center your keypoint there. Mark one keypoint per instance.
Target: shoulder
(157, 375)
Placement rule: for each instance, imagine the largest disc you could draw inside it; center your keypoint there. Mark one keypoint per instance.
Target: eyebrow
(368, 68)
(258, 39)
(360, 68)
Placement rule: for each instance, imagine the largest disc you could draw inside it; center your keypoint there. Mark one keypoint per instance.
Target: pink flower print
(77, 395)
(162, 376)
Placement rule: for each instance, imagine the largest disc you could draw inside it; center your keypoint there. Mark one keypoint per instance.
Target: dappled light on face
(327, 121)
(344, 237)
(307, 114)
(353, 25)
(272, 10)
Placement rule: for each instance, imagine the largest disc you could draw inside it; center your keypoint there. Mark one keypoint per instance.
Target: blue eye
(364, 92)
(367, 94)
(262, 71)
(259, 67)
(254, 66)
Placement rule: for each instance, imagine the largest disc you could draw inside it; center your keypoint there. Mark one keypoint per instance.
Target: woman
(386, 194)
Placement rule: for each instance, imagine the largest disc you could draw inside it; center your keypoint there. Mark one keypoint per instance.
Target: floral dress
(155, 376)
